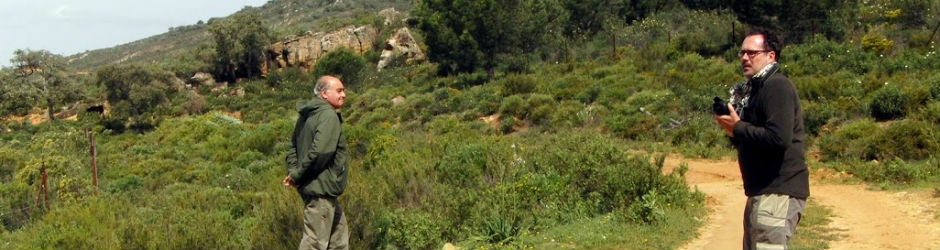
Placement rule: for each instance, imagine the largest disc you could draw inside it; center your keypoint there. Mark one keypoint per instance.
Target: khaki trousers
(770, 220)
(324, 225)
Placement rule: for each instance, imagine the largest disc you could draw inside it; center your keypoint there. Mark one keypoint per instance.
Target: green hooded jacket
(317, 161)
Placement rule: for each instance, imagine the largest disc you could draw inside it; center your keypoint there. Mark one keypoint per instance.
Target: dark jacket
(318, 159)
(770, 139)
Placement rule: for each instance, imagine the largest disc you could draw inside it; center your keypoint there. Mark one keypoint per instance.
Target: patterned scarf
(741, 92)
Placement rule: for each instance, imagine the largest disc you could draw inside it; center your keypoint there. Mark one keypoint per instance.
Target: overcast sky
(68, 27)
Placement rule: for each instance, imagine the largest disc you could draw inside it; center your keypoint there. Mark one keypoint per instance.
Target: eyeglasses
(751, 53)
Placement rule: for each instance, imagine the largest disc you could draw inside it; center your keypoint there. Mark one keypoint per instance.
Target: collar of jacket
(763, 74)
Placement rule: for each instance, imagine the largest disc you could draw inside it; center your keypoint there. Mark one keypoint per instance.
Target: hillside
(284, 17)
(509, 137)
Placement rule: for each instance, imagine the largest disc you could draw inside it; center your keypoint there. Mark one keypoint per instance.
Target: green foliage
(893, 170)
(821, 56)
(511, 158)
(931, 113)
(40, 79)
(627, 121)
(408, 230)
(285, 77)
(239, 44)
(852, 140)
(877, 43)
(492, 191)
(817, 115)
(707, 33)
(513, 105)
(795, 20)
(889, 102)
(467, 36)
(516, 84)
(907, 140)
(342, 63)
(865, 140)
(135, 92)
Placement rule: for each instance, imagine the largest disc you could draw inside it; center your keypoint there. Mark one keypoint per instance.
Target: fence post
(43, 191)
(94, 162)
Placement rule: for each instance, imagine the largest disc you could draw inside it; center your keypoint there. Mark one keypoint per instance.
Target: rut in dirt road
(862, 218)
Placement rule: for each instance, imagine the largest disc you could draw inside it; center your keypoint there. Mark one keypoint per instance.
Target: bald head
(330, 89)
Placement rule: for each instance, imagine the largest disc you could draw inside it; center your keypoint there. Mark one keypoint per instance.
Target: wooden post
(43, 191)
(932, 34)
(94, 161)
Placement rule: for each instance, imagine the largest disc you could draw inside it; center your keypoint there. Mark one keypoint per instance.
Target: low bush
(906, 140)
(852, 140)
(889, 102)
(817, 115)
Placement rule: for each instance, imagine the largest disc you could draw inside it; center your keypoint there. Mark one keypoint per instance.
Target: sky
(68, 27)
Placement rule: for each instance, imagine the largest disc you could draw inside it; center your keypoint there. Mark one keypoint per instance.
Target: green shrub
(567, 114)
(931, 113)
(852, 140)
(344, 64)
(933, 84)
(822, 56)
(540, 108)
(876, 42)
(286, 77)
(906, 139)
(517, 84)
(507, 124)
(513, 105)
(484, 100)
(816, 115)
(889, 102)
(466, 80)
(405, 229)
(570, 86)
(629, 122)
(891, 171)
(647, 208)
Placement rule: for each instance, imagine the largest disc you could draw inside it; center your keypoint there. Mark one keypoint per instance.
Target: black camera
(720, 107)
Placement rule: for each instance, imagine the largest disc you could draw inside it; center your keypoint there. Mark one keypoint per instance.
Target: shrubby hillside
(511, 137)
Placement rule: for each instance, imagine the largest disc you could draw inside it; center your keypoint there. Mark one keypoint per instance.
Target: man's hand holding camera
(724, 116)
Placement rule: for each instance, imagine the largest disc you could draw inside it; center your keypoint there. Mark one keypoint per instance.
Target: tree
(134, 91)
(342, 63)
(794, 20)
(463, 36)
(43, 75)
(239, 45)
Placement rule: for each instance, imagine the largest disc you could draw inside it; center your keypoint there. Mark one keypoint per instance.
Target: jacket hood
(307, 106)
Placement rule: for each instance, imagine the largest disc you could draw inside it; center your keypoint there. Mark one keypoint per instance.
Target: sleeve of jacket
(317, 146)
(780, 109)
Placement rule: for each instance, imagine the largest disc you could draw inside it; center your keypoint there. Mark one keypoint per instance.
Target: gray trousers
(770, 220)
(324, 225)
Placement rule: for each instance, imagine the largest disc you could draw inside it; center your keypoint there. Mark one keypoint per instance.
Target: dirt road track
(863, 218)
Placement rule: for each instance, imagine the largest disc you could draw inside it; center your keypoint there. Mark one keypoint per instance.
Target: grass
(608, 232)
(814, 231)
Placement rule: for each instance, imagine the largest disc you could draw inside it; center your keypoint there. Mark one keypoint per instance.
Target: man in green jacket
(316, 166)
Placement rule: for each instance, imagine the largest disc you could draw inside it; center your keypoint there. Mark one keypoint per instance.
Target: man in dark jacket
(767, 130)
(316, 166)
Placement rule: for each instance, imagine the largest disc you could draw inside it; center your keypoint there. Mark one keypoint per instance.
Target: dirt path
(863, 219)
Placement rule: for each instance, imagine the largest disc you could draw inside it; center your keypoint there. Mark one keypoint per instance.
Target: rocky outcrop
(401, 49)
(391, 16)
(304, 51)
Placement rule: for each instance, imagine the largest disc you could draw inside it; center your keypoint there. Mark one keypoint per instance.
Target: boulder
(391, 16)
(398, 100)
(304, 51)
(400, 49)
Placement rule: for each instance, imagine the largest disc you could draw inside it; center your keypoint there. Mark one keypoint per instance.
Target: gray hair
(321, 85)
